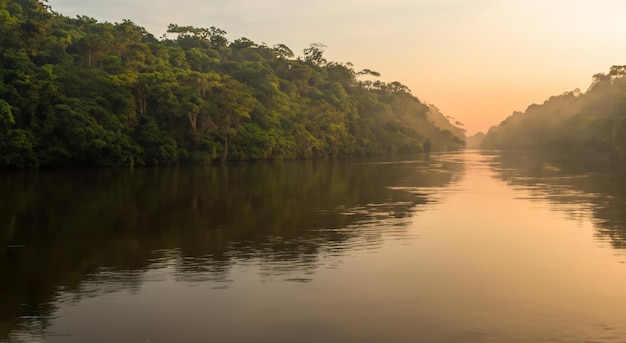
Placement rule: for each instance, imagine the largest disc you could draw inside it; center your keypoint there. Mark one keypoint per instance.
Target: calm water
(467, 247)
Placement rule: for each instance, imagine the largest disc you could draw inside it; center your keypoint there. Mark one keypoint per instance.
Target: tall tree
(232, 104)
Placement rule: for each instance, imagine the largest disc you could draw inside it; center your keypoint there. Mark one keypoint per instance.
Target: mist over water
(468, 247)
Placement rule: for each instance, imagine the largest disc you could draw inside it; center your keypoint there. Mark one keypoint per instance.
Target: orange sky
(476, 60)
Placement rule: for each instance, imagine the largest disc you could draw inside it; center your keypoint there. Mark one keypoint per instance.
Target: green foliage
(593, 122)
(252, 143)
(17, 149)
(76, 92)
(158, 147)
(6, 116)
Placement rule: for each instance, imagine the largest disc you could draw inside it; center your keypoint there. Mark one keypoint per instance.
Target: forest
(75, 92)
(590, 123)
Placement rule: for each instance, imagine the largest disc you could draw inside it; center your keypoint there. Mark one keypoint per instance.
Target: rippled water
(463, 247)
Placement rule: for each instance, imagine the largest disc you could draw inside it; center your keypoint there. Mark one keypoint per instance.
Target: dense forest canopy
(76, 92)
(593, 122)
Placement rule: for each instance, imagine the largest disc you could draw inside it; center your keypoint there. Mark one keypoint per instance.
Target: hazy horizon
(477, 62)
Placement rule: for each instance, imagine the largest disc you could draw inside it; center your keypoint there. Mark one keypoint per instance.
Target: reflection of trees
(596, 186)
(85, 232)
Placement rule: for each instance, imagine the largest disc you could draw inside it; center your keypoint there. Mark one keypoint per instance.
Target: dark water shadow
(70, 234)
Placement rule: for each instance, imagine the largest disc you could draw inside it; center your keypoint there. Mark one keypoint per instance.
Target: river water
(461, 247)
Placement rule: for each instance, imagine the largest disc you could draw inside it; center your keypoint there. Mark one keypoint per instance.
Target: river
(458, 247)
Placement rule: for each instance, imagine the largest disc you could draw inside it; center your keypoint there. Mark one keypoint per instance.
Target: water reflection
(68, 235)
(592, 188)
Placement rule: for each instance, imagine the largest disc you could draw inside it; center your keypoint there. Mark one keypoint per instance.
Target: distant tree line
(76, 92)
(593, 122)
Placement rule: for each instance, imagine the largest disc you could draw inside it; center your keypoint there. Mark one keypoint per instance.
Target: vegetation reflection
(594, 185)
(83, 232)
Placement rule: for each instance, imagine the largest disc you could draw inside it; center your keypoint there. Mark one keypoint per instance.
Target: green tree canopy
(77, 92)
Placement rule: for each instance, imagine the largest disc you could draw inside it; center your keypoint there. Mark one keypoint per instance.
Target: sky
(478, 61)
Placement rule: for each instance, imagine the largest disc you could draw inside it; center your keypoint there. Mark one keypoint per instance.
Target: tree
(16, 145)
(314, 54)
(95, 40)
(190, 36)
(158, 147)
(6, 116)
(282, 51)
(77, 92)
(232, 104)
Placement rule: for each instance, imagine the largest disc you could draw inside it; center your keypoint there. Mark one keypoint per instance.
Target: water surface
(463, 247)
